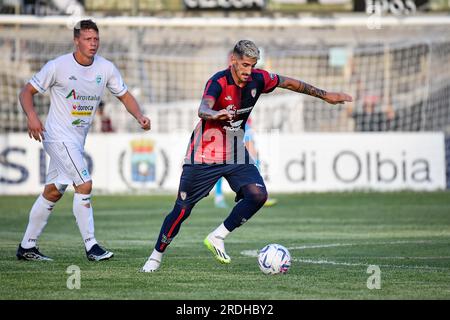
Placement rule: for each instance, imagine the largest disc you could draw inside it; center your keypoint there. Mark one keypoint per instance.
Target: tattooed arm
(206, 112)
(303, 87)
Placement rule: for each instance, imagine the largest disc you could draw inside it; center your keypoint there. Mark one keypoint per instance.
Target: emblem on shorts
(253, 92)
(183, 195)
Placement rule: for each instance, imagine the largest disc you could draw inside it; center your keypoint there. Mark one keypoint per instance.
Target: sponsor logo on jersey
(73, 78)
(234, 125)
(79, 110)
(72, 94)
(245, 110)
(231, 107)
(80, 123)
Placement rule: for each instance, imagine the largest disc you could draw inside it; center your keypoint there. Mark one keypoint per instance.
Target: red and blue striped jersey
(220, 141)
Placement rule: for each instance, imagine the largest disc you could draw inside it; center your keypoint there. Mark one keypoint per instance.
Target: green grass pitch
(332, 238)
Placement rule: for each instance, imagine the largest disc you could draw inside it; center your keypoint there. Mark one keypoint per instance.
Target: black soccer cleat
(97, 253)
(31, 254)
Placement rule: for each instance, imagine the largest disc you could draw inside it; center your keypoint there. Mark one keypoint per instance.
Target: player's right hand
(145, 123)
(35, 128)
(224, 114)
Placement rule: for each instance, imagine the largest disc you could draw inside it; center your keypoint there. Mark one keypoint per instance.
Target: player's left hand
(337, 97)
(144, 122)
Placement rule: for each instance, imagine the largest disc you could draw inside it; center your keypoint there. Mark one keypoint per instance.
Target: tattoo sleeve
(301, 87)
(205, 110)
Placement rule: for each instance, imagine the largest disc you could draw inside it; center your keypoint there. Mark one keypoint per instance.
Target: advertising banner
(151, 163)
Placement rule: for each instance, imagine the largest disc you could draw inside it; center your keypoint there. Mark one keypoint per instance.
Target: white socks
(38, 219)
(41, 210)
(82, 210)
(221, 232)
(156, 255)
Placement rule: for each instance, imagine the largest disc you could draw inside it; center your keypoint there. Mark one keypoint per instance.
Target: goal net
(399, 74)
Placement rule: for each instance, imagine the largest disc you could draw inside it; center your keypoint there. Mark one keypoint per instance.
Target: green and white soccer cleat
(216, 245)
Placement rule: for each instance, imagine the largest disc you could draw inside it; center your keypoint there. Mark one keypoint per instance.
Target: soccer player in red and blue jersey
(217, 148)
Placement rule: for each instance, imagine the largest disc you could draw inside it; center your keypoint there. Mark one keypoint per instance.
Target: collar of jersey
(82, 65)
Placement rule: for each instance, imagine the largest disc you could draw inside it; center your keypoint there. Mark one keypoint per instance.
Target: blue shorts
(197, 180)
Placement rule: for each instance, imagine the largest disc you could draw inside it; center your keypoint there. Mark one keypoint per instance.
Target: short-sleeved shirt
(220, 141)
(75, 92)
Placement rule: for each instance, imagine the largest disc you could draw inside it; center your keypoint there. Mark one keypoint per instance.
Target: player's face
(243, 66)
(87, 43)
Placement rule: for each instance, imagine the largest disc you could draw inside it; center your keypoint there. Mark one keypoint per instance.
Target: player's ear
(233, 58)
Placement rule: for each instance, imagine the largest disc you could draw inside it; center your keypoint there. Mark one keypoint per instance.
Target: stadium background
(394, 60)
(394, 63)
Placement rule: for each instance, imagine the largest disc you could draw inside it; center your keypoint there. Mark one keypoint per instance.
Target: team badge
(253, 92)
(98, 79)
(183, 195)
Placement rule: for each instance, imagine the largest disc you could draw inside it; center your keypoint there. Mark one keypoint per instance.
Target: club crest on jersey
(253, 92)
(228, 98)
(98, 79)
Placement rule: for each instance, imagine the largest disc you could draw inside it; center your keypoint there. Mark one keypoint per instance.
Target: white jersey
(75, 92)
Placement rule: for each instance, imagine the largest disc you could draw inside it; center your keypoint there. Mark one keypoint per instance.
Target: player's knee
(61, 188)
(85, 188)
(53, 193)
(258, 197)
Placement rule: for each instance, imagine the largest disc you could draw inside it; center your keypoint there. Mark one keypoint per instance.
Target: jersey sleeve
(45, 78)
(213, 89)
(115, 83)
(271, 81)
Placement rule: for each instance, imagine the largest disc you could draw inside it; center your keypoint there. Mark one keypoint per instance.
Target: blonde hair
(246, 48)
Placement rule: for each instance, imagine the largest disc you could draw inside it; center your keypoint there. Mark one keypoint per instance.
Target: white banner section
(150, 163)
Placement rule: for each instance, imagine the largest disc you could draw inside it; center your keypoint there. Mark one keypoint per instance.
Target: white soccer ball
(274, 259)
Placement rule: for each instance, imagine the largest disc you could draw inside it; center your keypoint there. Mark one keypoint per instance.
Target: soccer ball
(274, 259)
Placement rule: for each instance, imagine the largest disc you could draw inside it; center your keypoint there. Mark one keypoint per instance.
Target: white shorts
(67, 164)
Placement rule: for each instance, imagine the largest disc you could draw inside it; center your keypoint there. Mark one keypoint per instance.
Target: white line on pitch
(254, 253)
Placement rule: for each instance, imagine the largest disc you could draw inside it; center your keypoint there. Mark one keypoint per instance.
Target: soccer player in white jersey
(76, 83)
